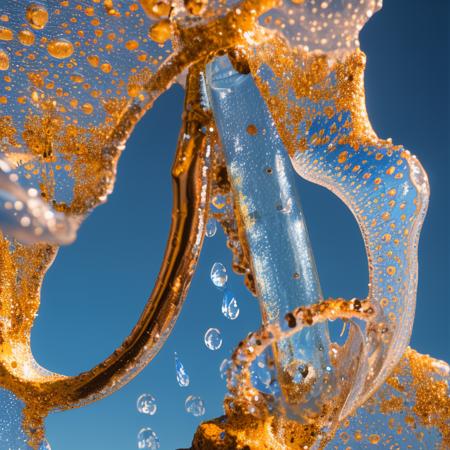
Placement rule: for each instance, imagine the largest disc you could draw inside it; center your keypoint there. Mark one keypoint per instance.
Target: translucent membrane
(319, 110)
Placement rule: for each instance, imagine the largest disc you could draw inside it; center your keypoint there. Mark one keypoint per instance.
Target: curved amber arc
(42, 391)
(318, 105)
(191, 186)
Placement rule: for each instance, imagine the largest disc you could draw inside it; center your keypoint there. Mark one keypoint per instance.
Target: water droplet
(195, 406)
(182, 375)
(147, 438)
(4, 60)
(219, 275)
(156, 8)
(224, 366)
(213, 339)
(211, 227)
(160, 32)
(37, 16)
(230, 308)
(146, 404)
(60, 48)
(45, 445)
(26, 37)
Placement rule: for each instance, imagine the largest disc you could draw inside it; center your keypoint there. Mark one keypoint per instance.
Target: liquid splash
(73, 94)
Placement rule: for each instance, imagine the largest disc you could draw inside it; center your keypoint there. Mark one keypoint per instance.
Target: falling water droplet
(146, 404)
(224, 366)
(45, 445)
(182, 375)
(230, 308)
(219, 275)
(211, 227)
(147, 438)
(194, 405)
(213, 339)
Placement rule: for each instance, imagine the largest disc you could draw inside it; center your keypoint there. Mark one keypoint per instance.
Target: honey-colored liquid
(76, 77)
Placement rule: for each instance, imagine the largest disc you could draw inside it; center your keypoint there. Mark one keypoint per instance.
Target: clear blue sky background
(97, 287)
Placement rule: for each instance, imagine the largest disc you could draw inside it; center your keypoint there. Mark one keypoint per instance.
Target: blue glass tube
(263, 182)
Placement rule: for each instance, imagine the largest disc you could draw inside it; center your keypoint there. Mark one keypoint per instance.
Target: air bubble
(194, 405)
(146, 404)
(37, 16)
(213, 339)
(219, 275)
(147, 438)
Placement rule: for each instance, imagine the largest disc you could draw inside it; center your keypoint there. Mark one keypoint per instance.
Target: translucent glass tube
(263, 181)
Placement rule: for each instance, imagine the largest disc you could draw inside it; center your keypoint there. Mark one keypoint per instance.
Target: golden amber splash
(413, 402)
(74, 86)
